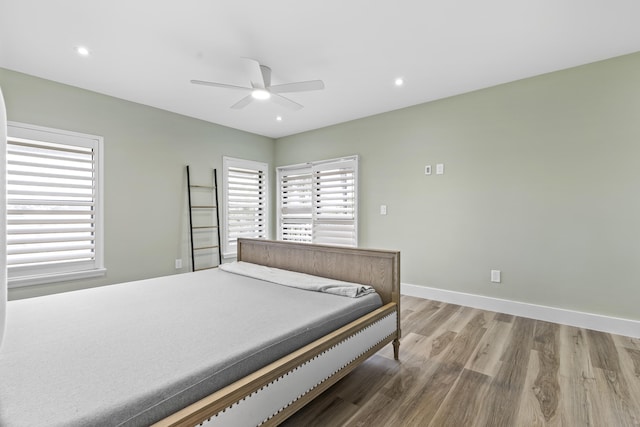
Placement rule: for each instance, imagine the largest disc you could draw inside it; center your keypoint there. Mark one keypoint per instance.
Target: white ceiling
(146, 51)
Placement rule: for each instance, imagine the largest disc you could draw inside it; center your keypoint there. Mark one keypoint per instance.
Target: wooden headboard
(377, 268)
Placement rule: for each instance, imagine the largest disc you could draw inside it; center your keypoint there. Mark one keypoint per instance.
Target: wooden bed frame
(378, 268)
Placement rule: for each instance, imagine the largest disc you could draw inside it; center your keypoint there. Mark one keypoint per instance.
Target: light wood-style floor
(466, 367)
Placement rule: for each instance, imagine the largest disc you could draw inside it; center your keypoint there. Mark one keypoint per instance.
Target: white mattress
(130, 354)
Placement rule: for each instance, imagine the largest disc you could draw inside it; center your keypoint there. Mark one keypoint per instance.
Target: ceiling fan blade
(298, 87)
(285, 102)
(242, 103)
(257, 77)
(200, 82)
(266, 75)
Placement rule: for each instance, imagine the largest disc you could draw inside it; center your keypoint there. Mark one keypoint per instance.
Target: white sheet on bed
(130, 354)
(298, 280)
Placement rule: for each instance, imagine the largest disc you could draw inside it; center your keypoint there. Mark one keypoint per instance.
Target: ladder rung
(205, 247)
(203, 207)
(202, 186)
(205, 227)
(206, 268)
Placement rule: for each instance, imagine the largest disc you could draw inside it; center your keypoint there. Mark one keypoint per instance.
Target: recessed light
(279, 118)
(260, 94)
(399, 81)
(82, 50)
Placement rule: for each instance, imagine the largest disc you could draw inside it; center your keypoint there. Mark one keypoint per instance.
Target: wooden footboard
(379, 269)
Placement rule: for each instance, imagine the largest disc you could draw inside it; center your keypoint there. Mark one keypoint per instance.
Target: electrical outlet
(495, 276)
(178, 264)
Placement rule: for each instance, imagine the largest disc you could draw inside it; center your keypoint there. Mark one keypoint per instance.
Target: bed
(129, 380)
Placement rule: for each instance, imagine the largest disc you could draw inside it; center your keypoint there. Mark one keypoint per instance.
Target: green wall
(541, 182)
(146, 151)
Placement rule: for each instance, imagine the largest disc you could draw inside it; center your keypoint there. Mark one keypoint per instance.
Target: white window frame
(42, 274)
(229, 247)
(313, 219)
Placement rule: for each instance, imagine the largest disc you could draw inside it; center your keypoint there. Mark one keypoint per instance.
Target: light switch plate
(440, 169)
(427, 170)
(383, 209)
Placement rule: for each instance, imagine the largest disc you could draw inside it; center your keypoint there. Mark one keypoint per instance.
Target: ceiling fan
(261, 89)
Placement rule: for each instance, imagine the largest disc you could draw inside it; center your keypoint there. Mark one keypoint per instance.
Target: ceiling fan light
(260, 94)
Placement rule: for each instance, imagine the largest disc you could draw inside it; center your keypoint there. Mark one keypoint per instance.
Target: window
(54, 205)
(317, 202)
(245, 198)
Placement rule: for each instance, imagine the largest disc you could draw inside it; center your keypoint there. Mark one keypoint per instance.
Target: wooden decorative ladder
(205, 235)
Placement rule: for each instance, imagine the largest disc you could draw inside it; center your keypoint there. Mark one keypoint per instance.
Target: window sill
(18, 282)
(229, 255)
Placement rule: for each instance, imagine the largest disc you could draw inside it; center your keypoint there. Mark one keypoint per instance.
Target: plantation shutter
(245, 201)
(51, 207)
(318, 202)
(334, 190)
(296, 205)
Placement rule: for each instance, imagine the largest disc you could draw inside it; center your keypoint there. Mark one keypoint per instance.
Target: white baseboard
(614, 325)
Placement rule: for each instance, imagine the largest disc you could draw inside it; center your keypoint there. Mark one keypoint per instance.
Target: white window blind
(53, 206)
(296, 205)
(318, 202)
(245, 201)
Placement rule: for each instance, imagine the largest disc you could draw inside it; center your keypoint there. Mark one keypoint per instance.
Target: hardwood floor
(466, 367)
